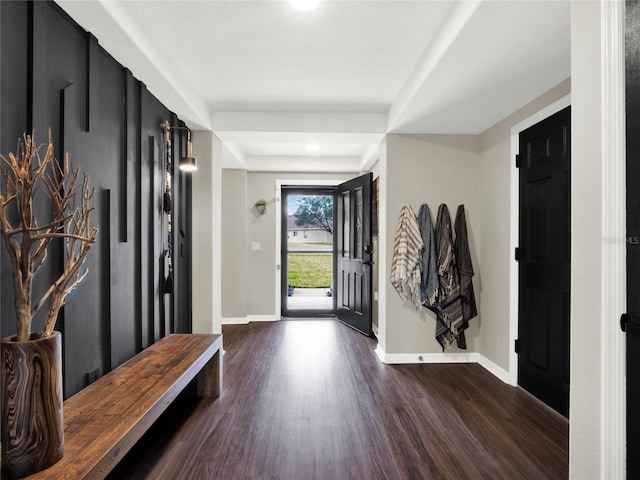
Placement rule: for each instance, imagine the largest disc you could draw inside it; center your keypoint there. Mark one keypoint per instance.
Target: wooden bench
(103, 421)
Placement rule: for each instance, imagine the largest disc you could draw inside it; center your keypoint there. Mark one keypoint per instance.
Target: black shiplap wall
(54, 74)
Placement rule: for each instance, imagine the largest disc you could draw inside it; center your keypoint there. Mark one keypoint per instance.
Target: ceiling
(268, 79)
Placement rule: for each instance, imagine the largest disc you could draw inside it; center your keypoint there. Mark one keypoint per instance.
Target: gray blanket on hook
(429, 277)
(465, 270)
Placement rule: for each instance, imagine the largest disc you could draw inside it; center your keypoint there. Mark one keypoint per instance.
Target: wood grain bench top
(103, 421)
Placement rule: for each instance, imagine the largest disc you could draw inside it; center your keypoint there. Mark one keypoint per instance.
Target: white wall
(206, 241)
(254, 271)
(430, 169)
(234, 235)
(586, 241)
(495, 185)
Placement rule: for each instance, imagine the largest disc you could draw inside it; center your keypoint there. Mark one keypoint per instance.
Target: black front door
(632, 328)
(354, 253)
(545, 260)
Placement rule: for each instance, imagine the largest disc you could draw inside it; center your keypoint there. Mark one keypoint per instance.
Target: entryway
(326, 247)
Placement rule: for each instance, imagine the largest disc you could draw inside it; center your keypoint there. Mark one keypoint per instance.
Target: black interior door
(353, 253)
(545, 260)
(632, 328)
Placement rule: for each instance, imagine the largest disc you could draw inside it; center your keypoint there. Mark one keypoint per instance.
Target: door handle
(626, 318)
(368, 262)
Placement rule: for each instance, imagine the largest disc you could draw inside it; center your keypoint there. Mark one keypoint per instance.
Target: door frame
(278, 194)
(325, 190)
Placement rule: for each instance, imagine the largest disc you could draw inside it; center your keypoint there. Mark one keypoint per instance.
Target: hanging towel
(405, 264)
(429, 277)
(465, 269)
(449, 308)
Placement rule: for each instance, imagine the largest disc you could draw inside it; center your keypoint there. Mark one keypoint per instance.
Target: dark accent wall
(53, 74)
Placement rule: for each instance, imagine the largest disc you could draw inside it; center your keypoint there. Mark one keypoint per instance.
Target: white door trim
(613, 294)
(279, 184)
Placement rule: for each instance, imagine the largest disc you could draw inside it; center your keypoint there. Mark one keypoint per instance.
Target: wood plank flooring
(310, 400)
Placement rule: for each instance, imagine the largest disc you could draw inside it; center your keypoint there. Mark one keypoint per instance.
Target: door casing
(281, 182)
(301, 190)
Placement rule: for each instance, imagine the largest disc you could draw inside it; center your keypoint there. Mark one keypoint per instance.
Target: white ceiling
(268, 79)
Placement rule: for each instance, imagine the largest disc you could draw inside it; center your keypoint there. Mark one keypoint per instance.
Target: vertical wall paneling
(92, 112)
(13, 118)
(155, 258)
(1, 150)
(56, 75)
(164, 264)
(182, 242)
(141, 307)
(30, 62)
(37, 69)
(152, 257)
(127, 113)
(62, 144)
(145, 243)
(176, 153)
(106, 281)
(106, 98)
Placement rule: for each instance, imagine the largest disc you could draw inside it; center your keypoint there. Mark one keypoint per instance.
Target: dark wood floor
(310, 400)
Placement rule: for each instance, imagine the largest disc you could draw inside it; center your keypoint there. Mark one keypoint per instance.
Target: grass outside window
(310, 270)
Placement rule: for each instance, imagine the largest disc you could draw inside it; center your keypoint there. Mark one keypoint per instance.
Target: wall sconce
(261, 206)
(187, 163)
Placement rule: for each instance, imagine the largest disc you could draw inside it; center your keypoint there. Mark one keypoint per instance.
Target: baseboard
(263, 318)
(495, 369)
(249, 318)
(234, 320)
(463, 357)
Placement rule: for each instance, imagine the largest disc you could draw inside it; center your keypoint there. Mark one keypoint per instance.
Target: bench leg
(210, 377)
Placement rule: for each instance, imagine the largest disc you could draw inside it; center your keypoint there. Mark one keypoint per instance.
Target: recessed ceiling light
(304, 5)
(312, 147)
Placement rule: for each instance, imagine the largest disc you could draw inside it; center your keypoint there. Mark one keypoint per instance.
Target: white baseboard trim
(470, 357)
(249, 318)
(263, 318)
(234, 321)
(496, 370)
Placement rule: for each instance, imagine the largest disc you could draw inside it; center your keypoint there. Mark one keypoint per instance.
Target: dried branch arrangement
(27, 239)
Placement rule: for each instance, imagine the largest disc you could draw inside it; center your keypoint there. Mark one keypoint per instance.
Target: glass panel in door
(309, 256)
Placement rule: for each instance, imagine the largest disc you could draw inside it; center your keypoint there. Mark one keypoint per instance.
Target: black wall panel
(55, 75)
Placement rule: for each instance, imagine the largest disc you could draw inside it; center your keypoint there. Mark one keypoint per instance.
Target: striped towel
(406, 261)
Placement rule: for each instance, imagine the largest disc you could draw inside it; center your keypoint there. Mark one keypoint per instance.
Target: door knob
(629, 318)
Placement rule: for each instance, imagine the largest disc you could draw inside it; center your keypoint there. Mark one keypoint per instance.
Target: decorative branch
(27, 241)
